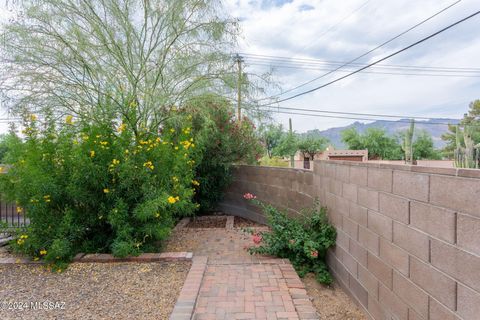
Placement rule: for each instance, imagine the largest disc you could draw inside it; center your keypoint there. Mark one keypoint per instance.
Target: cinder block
(350, 227)
(358, 291)
(456, 263)
(459, 194)
(394, 304)
(342, 205)
(342, 240)
(336, 187)
(368, 281)
(380, 179)
(394, 207)
(415, 242)
(368, 198)
(358, 214)
(342, 172)
(350, 192)
(380, 224)
(394, 256)
(369, 240)
(411, 185)
(350, 263)
(438, 311)
(468, 303)
(380, 270)
(358, 252)
(468, 233)
(434, 282)
(376, 310)
(436, 221)
(358, 175)
(416, 298)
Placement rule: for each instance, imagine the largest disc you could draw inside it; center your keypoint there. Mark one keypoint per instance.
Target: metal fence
(11, 216)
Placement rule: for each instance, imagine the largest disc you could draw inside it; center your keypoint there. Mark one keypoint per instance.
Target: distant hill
(392, 128)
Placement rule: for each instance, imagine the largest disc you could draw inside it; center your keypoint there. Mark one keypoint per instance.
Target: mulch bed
(246, 223)
(207, 222)
(93, 290)
(331, 302)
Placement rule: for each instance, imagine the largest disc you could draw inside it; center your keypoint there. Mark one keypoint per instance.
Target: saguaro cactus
(407, 144)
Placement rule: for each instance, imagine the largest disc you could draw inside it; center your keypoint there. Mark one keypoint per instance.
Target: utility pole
(239, 61)
(292, 160)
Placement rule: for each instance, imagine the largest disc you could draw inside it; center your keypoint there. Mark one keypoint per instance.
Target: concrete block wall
(408, 244)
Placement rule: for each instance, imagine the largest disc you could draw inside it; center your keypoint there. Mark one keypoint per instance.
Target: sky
(332, 30)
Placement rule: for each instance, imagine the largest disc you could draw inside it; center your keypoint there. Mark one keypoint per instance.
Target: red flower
(314, 253)
(257, 238)
(249, 196)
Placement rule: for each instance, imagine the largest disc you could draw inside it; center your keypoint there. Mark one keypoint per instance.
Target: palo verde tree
(378, 143)
(271, 135)
(310, 145)
(72, 56)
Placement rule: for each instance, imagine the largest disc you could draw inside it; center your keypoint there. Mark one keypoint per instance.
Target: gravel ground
(246, 223)
(207, 222)
(332, 302)
(94, 290)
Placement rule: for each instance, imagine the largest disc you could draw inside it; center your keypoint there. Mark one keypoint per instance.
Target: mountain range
(391, 127)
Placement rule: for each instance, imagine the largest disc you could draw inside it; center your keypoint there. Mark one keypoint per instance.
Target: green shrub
(222, 141)
(98, 187)
(302, 240)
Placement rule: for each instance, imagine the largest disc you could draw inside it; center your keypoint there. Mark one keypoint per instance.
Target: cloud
(287, 30)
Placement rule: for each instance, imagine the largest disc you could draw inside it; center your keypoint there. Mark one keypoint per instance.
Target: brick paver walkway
(236, 285)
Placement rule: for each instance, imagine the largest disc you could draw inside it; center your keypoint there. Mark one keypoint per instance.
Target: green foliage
(310, 145)
(273, 162)
(302, 240)
(287, 146)
(98, 187)
(271, 136)
(463, 140)
(222, 141)
(423, 147)
(378, 143)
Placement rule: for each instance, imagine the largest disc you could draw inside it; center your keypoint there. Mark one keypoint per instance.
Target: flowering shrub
(303, 240)
(98, 188)
(222, 142)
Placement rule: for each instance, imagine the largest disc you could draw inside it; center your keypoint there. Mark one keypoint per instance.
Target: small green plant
(304, 241)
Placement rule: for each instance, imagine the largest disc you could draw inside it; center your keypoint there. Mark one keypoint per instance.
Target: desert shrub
(304, 241)
(98, 187)
(222, 142)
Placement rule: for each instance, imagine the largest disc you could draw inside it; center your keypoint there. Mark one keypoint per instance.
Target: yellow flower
(121, 127)
(126, 151)
(115, 161)
(20, 242)
(36, 259)
(175, 179)
(85, 137)
(24, 236)
(195, 183)
(19, 209)
(33, 117)
(103, 143)
(69, 119)
(172, 130)
(172, 200)
(149, 165)
(47, 198)
(92, 154)
(157, 214)
(106, 190)
(43, 252)
(176, 148)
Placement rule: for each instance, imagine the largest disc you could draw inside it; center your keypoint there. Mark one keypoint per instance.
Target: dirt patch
(331, 302)
(93, 291)
(207, 222)
(246, 223)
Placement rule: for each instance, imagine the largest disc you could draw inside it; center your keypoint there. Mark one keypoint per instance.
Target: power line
(382, 59)
(360, 118)
(325, 64)
(452, 75)
(368, 52)
(355, 113)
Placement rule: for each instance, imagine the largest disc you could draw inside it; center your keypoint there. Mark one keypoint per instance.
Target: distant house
(330, 153)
